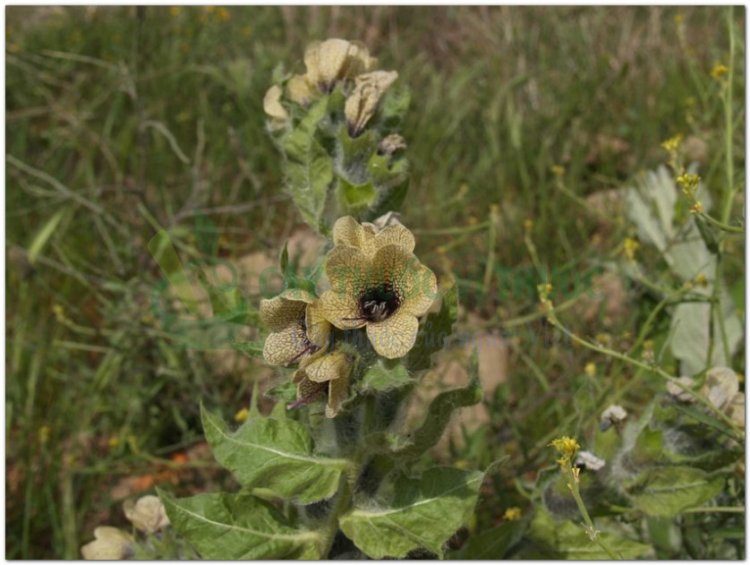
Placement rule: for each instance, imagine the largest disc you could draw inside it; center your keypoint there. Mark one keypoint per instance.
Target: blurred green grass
(122, 120)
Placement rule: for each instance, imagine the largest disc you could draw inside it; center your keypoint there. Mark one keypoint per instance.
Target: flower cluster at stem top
(376, 284)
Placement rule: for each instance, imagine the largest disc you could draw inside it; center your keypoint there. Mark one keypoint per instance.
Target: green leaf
(381, 377)
(394, 105)
(352, 164)
(565, 540)
(709, 234)
(440, 411)
(391, 180)
(433, 332)
(309, 170)
(493, 543)
(667, 491)
(238, 526)
(354, 198)
(43, 235)
(276, 453)
(423, 514)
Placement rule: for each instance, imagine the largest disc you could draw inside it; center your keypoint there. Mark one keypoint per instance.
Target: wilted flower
(298, 328)
(721, 386)
(147, 515)
(363, 101)
(110, 544)
(590, 461)
(736, 409)
(323, 374)
(383, 288)
(678, 392)
(371, 237)
(612, 415)
(391, 143)
(272, 106)
(335, 59)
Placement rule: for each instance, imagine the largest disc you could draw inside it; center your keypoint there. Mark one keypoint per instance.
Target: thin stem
(711, 509)
(590, 530)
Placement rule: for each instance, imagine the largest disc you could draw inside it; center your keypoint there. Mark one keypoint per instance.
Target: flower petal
(395, 336)
(337, 392)
(318, 327)
(347, 268)
(395, 234)
(300, 90)
(347, 231)
(278, 312)
(419, 290)
(341, 309)
(329, 367)
(110, 544)
(272, 104)
(282, 347)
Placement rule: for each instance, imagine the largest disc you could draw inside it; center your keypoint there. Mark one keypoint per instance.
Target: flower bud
(147, 515)
(363, 101)
(272, 106)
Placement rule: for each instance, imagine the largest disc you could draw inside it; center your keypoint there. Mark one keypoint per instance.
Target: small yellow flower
(673, 143)
(224, 15)
(719, 70)
(323, 374)
(558, 170)
(44, 434)
(629, 247)
(378, 283)
(174, 11)
(565, 446)
(701, 280)
(147, 514)
(241, 415)
(528, 225)
(590, 369)
(113, 442)
(697, 208)
(363, 101)
(688, 182)
(298, 327)
(110, 544)
(512, 514)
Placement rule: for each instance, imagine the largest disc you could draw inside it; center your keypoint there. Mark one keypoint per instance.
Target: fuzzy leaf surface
(238, 526)
(274, 453)
(381, 378)
(309, 170)
(565, 540)
(667, 491)
(423, 513)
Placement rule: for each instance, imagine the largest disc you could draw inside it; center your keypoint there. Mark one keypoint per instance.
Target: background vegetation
(123, 120)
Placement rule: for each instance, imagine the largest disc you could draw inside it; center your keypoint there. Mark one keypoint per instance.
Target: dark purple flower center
(378, 303)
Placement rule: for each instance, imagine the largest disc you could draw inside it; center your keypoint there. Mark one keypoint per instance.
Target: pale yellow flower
(335, 59)
(391, 143)
(384, 290)
(147, 515)
(300, 90)
(369, 237)
(320, 375)
(272, 106)
(298, 327)
(363, 101)
(567, 447)
(110, 544)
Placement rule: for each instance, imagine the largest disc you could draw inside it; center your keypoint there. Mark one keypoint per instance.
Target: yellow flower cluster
(376, 283)
(328, 63)
(566, 447)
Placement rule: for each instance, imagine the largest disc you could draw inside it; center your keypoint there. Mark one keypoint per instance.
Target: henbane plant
(332, 471)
